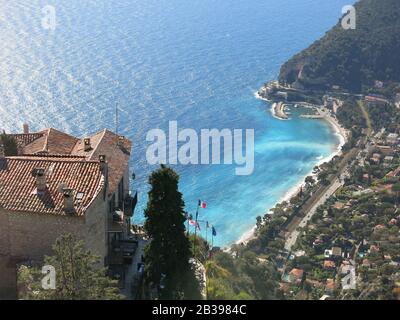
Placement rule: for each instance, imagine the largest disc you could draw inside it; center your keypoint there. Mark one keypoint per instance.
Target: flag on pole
(214, 232)
(202, 204)
(195, 224)
(188, 216)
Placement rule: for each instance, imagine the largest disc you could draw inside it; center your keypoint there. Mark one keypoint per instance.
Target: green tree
(78, 275)
(323, 177)
(219, 282)
(396, 189)
(167, 255)
(199, 247)
(10, 144)
(310, 180)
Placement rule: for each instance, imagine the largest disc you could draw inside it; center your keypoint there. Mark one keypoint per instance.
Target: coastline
(339, 131)
(277, 108)
(278, 111)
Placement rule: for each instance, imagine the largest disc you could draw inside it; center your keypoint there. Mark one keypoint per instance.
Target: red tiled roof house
(60, 184)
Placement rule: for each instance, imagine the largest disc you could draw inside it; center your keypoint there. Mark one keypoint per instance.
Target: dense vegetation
(366, 228)
(77, 275)
(352, 59)
(9, 143)
(380, 116)
(241, 275)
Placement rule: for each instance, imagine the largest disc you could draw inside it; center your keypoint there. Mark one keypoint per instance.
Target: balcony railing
(123, 251)
(130, 204)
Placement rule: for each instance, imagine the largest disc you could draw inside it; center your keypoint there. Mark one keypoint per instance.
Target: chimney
(40, 179)
(120, 140)
(103, 163)
(2, 151)
(68, 200)
(87, 144)
(26, 128)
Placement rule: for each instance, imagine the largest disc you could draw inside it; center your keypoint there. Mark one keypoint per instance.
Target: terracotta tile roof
(117, 151)
(329, 264)
(394, 173)
(379, 227)
(297, 273)
(94, 142)
(37, 146)
(59, 142)
(25, 139)
(105, 142)
(18, 190)
(49, 157)
(49, 140)
(339, 205)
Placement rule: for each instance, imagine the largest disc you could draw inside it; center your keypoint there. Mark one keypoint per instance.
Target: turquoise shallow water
(198, 62)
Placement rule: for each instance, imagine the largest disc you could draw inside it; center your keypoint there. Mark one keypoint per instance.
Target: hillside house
(59, 184)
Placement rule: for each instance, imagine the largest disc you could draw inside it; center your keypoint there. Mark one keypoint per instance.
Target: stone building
(60, 184)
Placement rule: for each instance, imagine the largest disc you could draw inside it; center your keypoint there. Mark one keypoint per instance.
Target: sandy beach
(339, 130)
(343, 136)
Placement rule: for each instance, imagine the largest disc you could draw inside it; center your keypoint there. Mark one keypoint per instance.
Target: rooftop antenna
(116, 118)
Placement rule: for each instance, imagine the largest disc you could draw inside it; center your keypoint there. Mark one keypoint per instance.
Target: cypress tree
(168, 253)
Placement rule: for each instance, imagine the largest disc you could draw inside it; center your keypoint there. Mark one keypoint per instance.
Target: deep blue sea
(198, 62)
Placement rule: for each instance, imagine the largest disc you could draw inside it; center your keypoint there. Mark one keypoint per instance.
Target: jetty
(278, 110)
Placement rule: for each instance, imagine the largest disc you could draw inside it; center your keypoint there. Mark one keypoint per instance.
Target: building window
(111, 204)
(121, 193)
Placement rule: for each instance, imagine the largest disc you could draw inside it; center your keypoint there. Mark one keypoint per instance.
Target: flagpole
(116, 118)
(195, 228)
(188, 218)
(206, 230)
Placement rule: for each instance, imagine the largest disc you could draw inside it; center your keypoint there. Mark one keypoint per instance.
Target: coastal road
(311, 207)
(292, 238)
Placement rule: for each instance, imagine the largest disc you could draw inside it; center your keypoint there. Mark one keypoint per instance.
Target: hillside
(352, 59)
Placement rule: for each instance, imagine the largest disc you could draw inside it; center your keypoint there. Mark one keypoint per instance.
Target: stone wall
(30, 236)
(95, 231)
(8, 279)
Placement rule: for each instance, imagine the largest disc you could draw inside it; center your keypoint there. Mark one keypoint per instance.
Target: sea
(71, 64)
